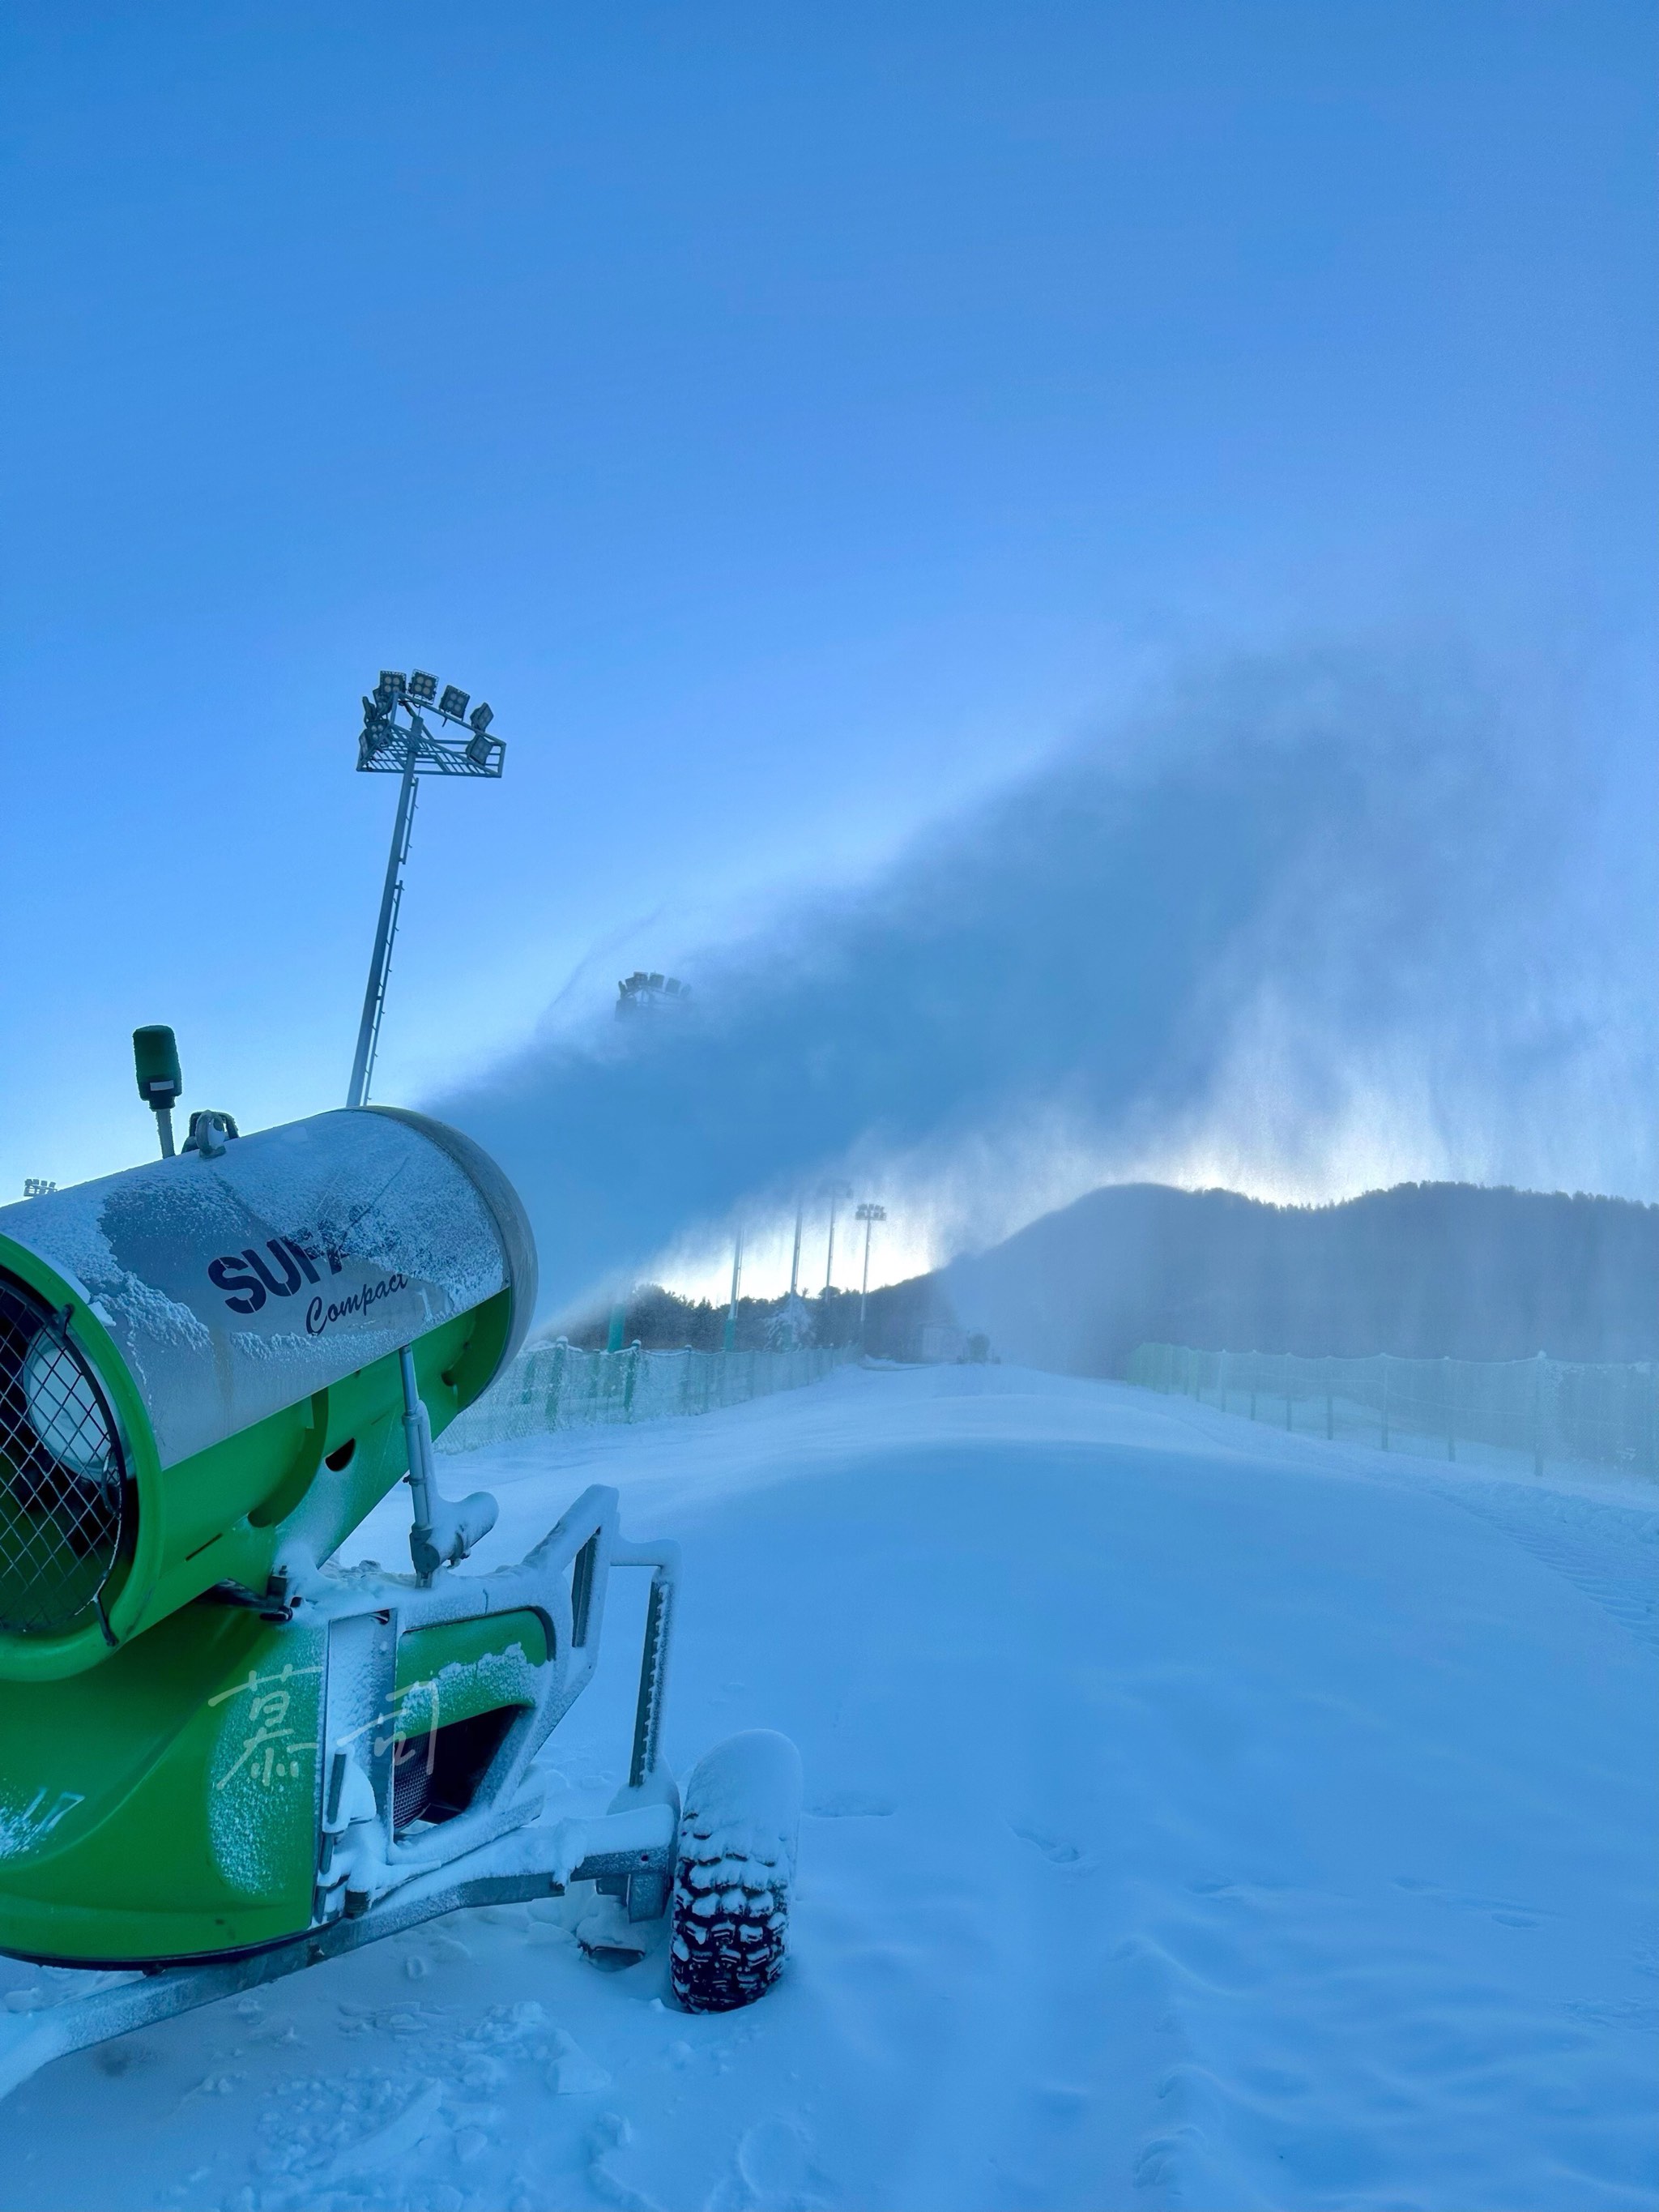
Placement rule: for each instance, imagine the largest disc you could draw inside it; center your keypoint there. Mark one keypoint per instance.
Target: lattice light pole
(409, 749)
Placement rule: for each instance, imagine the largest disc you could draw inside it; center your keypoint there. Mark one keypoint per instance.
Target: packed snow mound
(1195, 1815)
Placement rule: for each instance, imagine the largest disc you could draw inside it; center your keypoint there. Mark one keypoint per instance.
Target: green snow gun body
(223, 1756)
(205, 1372)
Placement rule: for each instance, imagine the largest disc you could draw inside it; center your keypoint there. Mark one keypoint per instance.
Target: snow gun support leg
(29, 2041)
(644, 1890)
(388, 1858)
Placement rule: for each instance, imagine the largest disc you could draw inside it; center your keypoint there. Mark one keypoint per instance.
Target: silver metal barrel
(236, 1285)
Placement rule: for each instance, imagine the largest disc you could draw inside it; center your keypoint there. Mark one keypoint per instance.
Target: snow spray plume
(1323, 847)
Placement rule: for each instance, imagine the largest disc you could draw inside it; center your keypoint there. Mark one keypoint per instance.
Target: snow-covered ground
(1197, 1816)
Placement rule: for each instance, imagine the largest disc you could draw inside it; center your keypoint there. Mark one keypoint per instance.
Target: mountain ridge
(1421, 1270)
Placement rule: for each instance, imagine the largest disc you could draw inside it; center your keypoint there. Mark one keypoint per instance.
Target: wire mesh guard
(63, 1481)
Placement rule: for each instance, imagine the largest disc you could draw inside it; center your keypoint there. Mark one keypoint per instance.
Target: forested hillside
(1424, 1270)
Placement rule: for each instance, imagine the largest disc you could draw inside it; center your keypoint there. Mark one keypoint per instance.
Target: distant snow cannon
(201, 1382)
(223, 1757)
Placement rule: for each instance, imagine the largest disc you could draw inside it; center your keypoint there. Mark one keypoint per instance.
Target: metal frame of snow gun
(367, 1719)
(376, 1877)
(142, 1997)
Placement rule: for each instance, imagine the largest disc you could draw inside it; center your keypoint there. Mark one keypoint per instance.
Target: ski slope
(1197, 1816)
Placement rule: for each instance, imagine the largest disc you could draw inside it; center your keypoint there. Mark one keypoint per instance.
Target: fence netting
(1538, 1410)
(559, 1386)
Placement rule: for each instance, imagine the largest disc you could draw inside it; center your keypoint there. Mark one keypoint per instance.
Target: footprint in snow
(772, 2172)
(1500, 1909)
(572, 2073)
(1070, 1858)
(393, 2140)
(610, 2134)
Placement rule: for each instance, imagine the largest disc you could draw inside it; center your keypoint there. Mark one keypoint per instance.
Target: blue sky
(795, 423)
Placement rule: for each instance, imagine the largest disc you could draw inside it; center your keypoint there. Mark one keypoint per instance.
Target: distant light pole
(794, 1263)
(386, 746)
(729, 1341)
(869, 1215)
(833, 1191)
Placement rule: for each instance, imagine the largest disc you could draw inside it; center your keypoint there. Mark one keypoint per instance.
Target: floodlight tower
(834, 1192)
(869, 1215)
(729, 1339)
(409, 749)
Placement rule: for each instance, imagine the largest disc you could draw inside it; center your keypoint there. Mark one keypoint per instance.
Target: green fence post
(1384, 1396)
(1538, 1417)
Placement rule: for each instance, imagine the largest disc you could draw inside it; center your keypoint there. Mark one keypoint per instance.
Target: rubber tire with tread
(732, 1950)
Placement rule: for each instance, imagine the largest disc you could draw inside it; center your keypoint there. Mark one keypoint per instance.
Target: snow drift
(1195, 1816)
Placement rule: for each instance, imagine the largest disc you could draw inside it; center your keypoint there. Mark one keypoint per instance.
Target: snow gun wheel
(734, 1872)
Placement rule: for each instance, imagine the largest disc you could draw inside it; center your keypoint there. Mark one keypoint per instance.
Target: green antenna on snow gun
(155, 1061)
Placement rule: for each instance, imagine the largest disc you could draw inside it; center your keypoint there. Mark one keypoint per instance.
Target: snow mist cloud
(1316, 922)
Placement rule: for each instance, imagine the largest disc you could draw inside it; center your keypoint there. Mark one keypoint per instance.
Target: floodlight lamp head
(422, 688)
(390, 686)
(452, 705)
(481, 717)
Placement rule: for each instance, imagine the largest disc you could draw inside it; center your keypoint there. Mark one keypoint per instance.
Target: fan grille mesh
(63, 1479)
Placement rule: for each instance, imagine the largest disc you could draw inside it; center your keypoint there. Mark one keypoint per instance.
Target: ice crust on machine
(237, 1285)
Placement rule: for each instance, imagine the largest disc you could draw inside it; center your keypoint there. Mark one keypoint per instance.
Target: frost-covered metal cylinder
(237, 1285)
(200, 1384)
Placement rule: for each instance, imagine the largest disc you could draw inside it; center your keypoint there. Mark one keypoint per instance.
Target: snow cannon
(201, 1383)
(225, 1756)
